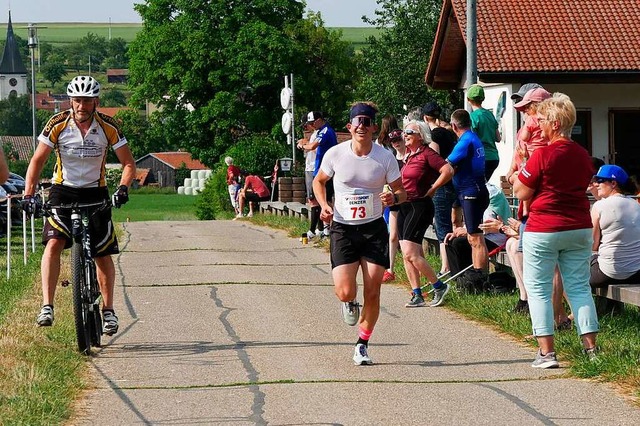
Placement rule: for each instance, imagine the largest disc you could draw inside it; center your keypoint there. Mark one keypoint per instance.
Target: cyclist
(80, 138)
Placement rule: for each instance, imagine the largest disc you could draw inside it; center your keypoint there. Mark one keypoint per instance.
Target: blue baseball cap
(613, 172)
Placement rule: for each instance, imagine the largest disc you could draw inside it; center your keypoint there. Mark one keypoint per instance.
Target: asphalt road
(228, 323)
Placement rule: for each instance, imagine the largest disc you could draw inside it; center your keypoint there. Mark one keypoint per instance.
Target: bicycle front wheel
(80, 301)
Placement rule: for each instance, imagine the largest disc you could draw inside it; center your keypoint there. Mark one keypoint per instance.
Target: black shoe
(522, 307)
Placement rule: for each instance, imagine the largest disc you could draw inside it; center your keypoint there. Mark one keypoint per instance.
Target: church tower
(13, 74)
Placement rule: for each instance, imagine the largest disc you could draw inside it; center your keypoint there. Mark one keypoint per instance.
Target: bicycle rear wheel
(80, 302)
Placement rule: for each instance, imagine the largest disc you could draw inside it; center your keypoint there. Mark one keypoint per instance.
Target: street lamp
(33, 43)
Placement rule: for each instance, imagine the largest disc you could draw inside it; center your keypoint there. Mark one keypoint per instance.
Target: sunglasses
(601, 180)
(410, 132)
(396, 134)
(365, 121)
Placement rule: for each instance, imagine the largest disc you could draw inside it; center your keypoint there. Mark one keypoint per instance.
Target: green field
(62, 33)
(143, 207)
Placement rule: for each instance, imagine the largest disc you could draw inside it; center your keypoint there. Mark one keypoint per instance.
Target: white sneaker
(319, 233)
(325, 232)
(360, 355)
(310, 235)
(250, 214)
(351, 312)
(238, 216)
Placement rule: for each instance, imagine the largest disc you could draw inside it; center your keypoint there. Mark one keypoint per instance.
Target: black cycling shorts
(414, 219)
(58, 225)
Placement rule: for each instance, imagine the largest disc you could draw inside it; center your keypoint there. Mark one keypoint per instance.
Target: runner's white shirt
(358, 181)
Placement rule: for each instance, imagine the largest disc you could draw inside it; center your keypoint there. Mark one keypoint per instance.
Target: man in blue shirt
(324, 140)
(467, 158)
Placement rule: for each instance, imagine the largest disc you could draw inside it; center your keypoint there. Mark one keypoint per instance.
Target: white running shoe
(310, 235)
(351, 312)
(45, 318)
(250, 214)
(361, 356)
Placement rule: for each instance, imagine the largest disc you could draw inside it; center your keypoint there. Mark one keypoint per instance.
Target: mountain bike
(86, 291)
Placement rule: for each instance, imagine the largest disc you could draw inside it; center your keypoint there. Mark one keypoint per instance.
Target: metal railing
(25, 252)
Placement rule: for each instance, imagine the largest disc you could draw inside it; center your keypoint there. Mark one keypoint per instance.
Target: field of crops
(61, 33)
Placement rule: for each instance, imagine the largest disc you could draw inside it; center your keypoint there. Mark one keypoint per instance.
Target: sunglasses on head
(365, 121)
(395, 134)
(411, 132)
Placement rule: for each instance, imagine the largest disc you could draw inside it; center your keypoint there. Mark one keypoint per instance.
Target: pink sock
(364, 334)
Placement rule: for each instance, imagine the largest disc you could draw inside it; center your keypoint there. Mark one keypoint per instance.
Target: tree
(215, 68)
(113, 98)
(397, 59)
(15, 116)
(54, 70)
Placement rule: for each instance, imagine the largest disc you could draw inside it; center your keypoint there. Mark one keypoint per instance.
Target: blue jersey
(326, 137)
(467, 158)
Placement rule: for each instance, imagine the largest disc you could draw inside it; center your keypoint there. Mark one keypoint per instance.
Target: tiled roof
(118, 71)
(22, 146)
(175, 160)
(555, 35)
(112, 111)
(48, 101)
(518, 37)
(141, 175)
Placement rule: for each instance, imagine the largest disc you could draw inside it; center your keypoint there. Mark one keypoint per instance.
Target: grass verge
(41, 371)
(619, 338)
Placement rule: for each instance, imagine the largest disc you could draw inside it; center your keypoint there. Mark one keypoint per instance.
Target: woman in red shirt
(559, 228)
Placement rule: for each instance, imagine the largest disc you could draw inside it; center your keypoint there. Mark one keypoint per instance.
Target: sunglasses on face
(410, 132)
(601, 180)
(365, 121)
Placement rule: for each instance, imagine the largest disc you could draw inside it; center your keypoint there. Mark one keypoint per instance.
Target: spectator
(315, 224)
(325, 139)
(423, 173)
(485, 125)
(558, 229)
(443, 141)
(467, 159)
(517, 96)
(234, 175)
(254, 191)
(616, 229)
(388, 123)
(397, 142)
(494, 218)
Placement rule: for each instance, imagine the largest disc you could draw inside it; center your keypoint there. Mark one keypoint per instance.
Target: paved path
(229, 323)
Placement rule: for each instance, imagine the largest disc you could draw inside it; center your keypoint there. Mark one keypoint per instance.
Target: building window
(13, 93)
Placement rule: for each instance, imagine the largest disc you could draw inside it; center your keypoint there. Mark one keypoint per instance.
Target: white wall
(597, 98)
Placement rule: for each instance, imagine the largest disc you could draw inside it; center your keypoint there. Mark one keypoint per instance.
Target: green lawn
(144, 207)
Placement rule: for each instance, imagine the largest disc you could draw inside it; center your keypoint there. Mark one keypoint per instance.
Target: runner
(359, 236)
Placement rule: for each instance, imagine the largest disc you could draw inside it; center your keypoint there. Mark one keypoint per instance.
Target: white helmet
(83, 86)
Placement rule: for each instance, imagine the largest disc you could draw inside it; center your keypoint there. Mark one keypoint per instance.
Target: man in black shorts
(359, 236)
(80, 138)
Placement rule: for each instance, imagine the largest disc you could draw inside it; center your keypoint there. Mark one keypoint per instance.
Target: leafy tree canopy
(397, 59)
(216, 67)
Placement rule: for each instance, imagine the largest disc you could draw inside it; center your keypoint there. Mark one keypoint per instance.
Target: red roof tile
(549, 35)
(20, 146)
(175, 160)
(556, 35)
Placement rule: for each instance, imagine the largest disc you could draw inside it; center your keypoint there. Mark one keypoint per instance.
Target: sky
(335, 13)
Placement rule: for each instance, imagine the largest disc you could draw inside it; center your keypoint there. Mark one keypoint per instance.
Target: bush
(214, 198)
(255, 155)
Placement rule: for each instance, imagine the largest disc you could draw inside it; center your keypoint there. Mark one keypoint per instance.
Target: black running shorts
(350, 243)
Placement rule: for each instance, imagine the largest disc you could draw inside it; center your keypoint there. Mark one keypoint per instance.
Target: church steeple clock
(13, 73)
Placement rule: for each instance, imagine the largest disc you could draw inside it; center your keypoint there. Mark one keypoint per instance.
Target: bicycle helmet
(83, 86)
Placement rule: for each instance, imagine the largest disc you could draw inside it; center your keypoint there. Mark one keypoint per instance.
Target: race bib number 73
(355, 207)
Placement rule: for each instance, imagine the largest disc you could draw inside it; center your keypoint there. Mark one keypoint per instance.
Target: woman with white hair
(234, 175)
(423, 173)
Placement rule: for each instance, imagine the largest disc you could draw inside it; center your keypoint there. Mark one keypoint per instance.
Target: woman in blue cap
(616, 229)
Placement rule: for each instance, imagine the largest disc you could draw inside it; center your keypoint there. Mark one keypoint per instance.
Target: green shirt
(484, 124)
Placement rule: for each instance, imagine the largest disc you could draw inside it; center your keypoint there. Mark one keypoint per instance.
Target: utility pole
(472, 43)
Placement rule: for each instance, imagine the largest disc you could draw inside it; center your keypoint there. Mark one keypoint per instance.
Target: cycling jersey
(80, 162)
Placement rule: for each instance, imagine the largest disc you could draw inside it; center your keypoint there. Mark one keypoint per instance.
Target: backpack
(501, 282)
